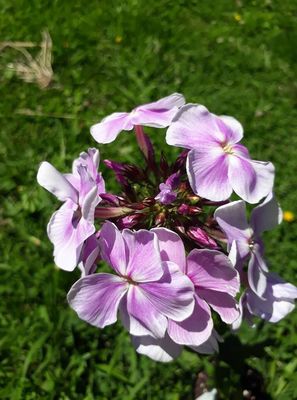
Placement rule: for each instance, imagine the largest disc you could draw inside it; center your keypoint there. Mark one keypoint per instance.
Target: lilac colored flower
(167, 194)
(146, 289)
(158, 114)
(217, 164)
(244, 240)
(277, 302)
(90, 160)
(73, 223)
(216, 283)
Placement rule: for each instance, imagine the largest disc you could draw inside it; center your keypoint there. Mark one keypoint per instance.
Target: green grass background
(237, 58)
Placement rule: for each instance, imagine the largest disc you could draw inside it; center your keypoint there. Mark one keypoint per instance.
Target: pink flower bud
(129, 221)
(183, 209)
(111, 212)
(201, 237)
(110, 198)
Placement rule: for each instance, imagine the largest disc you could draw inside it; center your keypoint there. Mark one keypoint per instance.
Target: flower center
(130, 280)
(228, 148)
(251, 243)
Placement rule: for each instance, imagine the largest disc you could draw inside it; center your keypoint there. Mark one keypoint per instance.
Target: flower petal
(194, 126)
(90, 202)
(89, 255)
(194, 330)
(212, 270)
(68, 234)
(144, 259)
(163, 350)
(173, 294)
(113, 247)
(232, 128)
(232, 219)
(208, 173)
(257, 272)
(108, 129)
(251, 180)
(210, 346)
(140, 307)
(272, 308)
(96, 298)
(266, 215)
(224, 304)
(158, 114)
(53, 181)
(171, 247)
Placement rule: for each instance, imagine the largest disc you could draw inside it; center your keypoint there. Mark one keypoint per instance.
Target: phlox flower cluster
(176, 238)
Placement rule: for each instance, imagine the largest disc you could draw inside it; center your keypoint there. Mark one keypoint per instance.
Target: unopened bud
(183, 209)
(160, 218)
(111, 212)
(129, 221)
(201, 237)
(164, 166)
(194, 210)
(180, 162)
(110, 198)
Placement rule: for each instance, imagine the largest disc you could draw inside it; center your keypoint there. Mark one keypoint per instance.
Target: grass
(237, 58)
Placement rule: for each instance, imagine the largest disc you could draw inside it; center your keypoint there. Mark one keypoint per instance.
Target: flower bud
(201, 237)
(111, 212)
(110, 198)
(160, 218)
(183, 209)
(130, 221)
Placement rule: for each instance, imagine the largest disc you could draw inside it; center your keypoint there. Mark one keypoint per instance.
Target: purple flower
(167, 194)
(158, 114)
(216, 283)
(244, 240)
(217, 164)
(277, 301)
(73, 223)
(146, 289)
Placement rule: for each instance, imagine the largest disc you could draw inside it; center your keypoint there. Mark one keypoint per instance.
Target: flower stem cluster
(178, 248)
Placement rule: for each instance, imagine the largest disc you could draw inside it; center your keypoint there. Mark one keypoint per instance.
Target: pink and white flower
(145, 289)
(244, 240)
(73, 223)
(217, 164)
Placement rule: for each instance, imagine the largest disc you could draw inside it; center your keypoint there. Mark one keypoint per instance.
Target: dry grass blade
(37, 70)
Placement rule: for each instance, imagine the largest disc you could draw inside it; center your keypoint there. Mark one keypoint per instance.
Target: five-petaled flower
(217, 164)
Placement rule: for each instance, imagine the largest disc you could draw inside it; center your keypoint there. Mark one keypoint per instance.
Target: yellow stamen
(228, 149)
